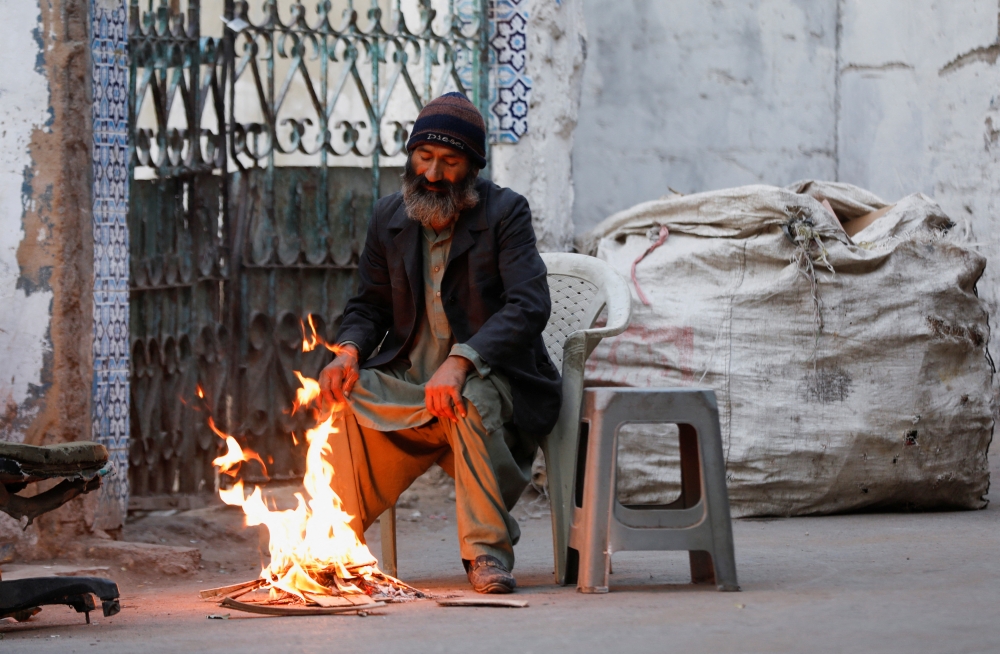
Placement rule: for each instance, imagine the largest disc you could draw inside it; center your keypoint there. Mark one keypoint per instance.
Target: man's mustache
(440, 186)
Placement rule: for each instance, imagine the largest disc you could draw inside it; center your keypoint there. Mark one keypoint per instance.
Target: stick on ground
(484, 601)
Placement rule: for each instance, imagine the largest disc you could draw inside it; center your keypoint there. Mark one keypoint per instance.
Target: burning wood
(316, 558)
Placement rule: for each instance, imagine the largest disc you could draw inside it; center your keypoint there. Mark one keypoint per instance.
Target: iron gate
(256, 155)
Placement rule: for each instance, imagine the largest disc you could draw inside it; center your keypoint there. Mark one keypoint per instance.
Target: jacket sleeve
(368, 315)
(509, 334)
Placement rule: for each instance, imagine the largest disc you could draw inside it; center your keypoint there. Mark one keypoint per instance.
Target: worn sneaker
(488, 575)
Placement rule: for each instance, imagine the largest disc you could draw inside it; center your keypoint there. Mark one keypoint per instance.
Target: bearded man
(442, 356)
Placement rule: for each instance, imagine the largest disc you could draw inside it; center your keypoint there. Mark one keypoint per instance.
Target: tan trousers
(488, 479)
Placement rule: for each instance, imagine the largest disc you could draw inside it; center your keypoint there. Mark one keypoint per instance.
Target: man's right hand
(337, 380)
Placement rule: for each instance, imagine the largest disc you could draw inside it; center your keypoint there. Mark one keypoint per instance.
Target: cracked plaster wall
(702, 94)
(46, 275)
(24, 308)
(896, 96)
(919, 107)
(540, 165)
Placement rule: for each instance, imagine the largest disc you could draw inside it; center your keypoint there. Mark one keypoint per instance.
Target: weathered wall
(696, 95)
(896, 96)
(540, 165)
(45, 273)
(919, 111)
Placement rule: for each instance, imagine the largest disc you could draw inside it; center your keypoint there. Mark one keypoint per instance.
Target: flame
(232, 458)
(311, 341)
(235, 455)
(313, 548)
(305, 395)
(200, 393)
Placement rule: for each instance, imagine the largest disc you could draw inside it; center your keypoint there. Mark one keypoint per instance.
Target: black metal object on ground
(23, 595)
(81, 465)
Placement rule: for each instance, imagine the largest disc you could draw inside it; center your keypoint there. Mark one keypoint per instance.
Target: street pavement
(869, 583)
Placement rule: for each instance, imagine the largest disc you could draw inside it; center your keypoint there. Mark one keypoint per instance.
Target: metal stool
(698, 521)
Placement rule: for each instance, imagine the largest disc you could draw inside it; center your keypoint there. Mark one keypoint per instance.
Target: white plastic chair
(581, 287)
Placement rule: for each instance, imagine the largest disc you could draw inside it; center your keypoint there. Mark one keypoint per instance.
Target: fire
(311, 341)
(312, 544)
(315, 538)
(307, 394)
(314, 551)
(234, 456)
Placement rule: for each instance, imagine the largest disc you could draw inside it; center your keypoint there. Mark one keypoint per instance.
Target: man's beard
(437, 209)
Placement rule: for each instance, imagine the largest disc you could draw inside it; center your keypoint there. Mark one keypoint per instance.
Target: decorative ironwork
(180, 344)
(258, 155)
(389, 71)
(173, 66)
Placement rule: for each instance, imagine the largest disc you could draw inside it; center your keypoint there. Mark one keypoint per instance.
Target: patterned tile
(510, 86)
(110, 386)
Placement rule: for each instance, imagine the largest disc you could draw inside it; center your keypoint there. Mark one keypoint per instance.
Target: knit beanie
(453, 121)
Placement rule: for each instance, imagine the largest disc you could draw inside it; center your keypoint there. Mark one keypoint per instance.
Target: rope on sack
(664, 233)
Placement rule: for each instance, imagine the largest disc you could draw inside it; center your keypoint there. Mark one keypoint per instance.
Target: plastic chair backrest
(581, 287)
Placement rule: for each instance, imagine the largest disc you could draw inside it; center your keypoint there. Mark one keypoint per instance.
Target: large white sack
(850, 373)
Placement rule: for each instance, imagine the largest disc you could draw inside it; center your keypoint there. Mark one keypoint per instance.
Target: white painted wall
(24, 107)
(697, 95)
(540, 165)
(896, 96)
(919, 111)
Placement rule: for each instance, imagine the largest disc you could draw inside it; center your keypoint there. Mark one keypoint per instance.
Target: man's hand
(337, 380)
(443, 391)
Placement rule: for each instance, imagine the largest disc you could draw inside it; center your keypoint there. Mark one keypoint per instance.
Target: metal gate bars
(257, 151)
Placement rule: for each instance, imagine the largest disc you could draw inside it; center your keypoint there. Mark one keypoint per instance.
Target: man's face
(437, 163)
(438, 184)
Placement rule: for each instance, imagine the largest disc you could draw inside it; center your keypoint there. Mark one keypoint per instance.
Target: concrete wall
(45, 239)
(695, 95)
(540, 165)
(897, 96)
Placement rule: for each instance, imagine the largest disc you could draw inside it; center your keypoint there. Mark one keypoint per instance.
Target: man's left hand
(443, 391)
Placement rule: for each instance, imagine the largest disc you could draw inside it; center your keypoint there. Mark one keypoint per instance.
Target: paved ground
(869, 583)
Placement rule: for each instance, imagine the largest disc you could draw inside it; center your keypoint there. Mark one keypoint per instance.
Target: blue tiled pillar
(509, 83)
(110, 389)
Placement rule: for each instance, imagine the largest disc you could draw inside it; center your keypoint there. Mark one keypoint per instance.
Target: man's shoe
(488, 575)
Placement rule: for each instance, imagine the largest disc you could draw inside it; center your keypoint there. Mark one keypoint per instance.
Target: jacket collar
(407, 242)
(470, 223)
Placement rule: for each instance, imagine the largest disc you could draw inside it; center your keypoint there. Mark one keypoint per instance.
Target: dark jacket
(494, 292)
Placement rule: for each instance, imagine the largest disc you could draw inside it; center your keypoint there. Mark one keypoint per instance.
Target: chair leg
(560, 451)
(387, 526)
(560, 448)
